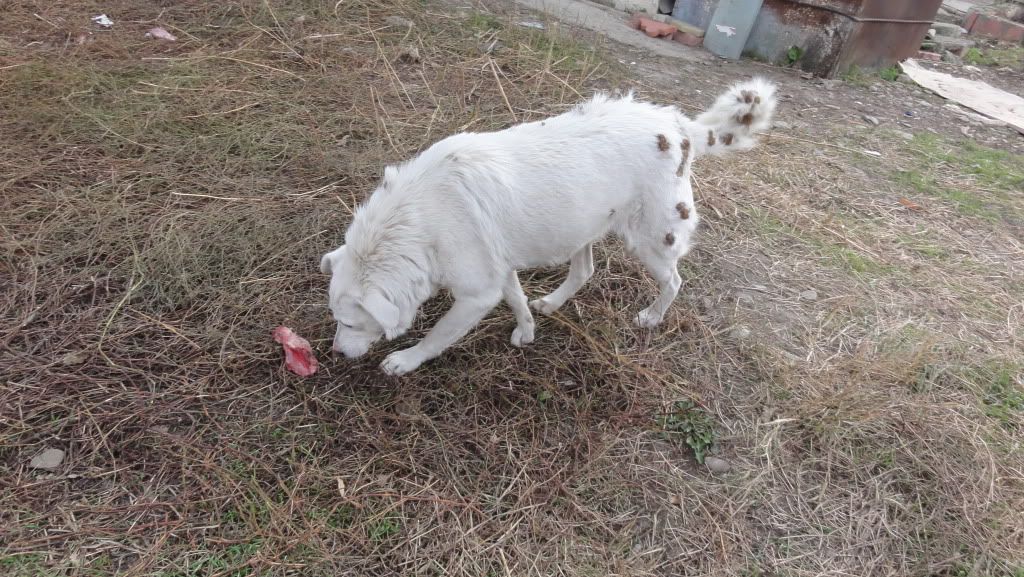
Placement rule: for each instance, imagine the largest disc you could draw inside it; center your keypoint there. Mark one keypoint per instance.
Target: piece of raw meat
(298, 355)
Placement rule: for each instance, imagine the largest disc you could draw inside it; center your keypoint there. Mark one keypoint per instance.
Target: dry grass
(164, 206)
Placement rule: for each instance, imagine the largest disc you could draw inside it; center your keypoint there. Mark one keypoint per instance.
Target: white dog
(471, 210)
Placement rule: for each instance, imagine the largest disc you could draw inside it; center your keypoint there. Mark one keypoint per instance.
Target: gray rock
(904, 79)
(809, 295)
(871, 120)
(75, 358)
(740, 333)
(398, 22)
(744, 296)
(904, 135)
(716, 465)
(781, 125)
(948, 29)
(49, 459)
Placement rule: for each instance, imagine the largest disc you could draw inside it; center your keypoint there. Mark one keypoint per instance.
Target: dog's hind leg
(581, 268)
(513, 293)
(467, 311)
(661, 265)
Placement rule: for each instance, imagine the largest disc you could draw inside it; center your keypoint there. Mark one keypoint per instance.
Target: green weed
(691, 424)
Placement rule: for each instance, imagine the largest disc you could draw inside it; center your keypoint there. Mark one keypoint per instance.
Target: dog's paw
(402, 362)
(522, 337)
(543, 306)
(647, 319)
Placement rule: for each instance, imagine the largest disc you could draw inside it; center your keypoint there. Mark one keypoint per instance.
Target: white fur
(471, 210)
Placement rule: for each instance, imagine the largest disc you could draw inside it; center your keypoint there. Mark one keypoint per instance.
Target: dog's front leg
(463, 316)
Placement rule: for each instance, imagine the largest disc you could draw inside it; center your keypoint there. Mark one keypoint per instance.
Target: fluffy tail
(734, 119)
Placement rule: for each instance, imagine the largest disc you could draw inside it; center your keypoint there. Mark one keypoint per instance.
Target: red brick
(969, 21)
(687, 38)
(996, 27)
(929, 55)
(652, 28)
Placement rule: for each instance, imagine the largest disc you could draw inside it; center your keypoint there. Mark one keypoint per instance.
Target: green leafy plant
(891, 73)
(793, 55)
(383, 529)
(691, 424)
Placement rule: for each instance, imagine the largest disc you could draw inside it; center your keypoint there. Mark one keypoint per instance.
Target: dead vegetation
(851, 328)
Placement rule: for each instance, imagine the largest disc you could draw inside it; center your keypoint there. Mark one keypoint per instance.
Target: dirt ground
(846, 349)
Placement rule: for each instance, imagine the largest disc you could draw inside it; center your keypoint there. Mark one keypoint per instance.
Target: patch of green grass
(229, 562)
(25, 565)
(890, 73)
(854, 261)
(998, 174)
(544, 396)
(964, 202)
(856, 76)
(842, 256)
(383, 529)
(1002, 390)
(1012, 56)
(340, 517)
(689, 423)
(483, 22)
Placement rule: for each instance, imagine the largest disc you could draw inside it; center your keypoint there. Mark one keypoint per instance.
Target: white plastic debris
(727, 30)
(103, 20)
(160, 33)
(530, 24)
(979, 96)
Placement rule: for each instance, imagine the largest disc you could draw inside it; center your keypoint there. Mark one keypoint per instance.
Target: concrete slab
(614, 25)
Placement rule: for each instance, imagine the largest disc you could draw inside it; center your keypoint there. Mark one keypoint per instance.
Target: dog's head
(364, 315)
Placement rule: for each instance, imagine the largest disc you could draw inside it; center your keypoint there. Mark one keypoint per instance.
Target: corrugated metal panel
(730, 27)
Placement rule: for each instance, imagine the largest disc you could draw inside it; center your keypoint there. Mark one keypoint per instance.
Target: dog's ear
(328, 260)
(383, 311)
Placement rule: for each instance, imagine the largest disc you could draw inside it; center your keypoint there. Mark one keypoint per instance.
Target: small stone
(973, 69)
(398, 22)
(491, 47)
(903, 78)
(904, 135)
(48, 459)
(871, 120)
(716, 465)
(409, 54)
(75, 358)
(809, 295)
(300, 19)
(740, 333)
(781, 125)
(948, 56)
(160, 429)
(947, 29)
